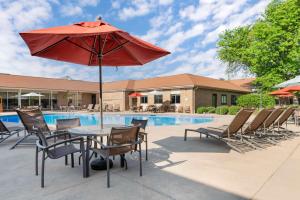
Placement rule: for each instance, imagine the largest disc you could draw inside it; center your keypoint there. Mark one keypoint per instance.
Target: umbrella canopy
(135, 94)
(32, 94)
(294, 81)
(91, 43)
(292, 88)
(280, 92)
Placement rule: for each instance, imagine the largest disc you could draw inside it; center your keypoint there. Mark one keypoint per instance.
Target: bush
(211, 109)
(222, 110)
(232, 110)
(201, 110)
(253, 101)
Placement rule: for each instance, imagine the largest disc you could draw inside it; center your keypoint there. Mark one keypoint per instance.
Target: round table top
(93, 130)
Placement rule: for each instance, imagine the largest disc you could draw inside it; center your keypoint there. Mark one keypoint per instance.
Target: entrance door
(93, 98)
(214, 100)
(134, 101)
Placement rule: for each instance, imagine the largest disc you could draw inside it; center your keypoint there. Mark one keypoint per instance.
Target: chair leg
(66, 160)
(36, 161)
(185, 134)
(72, 160)
(146, 147)
(80, 156)
(107, 170)
(43, 170)
(140, 158)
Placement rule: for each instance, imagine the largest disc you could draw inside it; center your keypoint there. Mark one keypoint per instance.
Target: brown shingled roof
(245, 82)
(175, 81)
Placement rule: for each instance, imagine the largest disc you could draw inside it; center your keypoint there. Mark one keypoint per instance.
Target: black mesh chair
(6, 132)
(142, 123)
(56, 150)
(121, 141)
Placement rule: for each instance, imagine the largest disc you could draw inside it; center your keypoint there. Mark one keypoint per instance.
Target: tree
(269, 48)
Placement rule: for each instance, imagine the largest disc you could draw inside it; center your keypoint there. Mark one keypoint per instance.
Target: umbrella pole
(100, 89)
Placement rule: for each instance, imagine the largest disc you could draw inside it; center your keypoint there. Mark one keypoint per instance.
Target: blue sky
(189, 29)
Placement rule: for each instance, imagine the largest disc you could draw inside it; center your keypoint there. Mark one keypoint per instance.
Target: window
(158, 99)
(224, 99)
(233, 100)
(144, 99)
(175, 98)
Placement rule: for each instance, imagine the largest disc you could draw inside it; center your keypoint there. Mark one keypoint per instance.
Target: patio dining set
(70, 138)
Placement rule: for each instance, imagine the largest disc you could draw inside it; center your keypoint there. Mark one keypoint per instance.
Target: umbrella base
(100, 164)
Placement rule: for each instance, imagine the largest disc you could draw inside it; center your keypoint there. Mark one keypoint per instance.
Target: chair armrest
(103, 146)
(39, 145)
(143, 133)
(218, 128)
(65, 141)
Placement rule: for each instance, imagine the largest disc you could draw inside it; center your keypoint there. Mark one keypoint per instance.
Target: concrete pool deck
(195, 169)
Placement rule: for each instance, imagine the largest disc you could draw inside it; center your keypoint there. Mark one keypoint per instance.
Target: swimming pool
(125, 119)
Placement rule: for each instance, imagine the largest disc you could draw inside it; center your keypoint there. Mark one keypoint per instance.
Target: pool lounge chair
(110, 108)
(89, 107)
(283, 119)
(253, 129)
(180, 109)
(228, 134)
(96, 108)
(6, 132)
(187, 109)
(117, 108)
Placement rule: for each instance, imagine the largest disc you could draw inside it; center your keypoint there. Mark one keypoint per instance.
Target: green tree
(268, 48)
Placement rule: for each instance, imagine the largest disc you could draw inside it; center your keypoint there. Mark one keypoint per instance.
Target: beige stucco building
(179, 90)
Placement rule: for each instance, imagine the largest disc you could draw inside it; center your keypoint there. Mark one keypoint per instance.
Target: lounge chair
(172, 108)
(228, 134)
(28, 123)
(120, 142)
(117, 108)
(187, 109)
(142, 123)
(110, 108)
(56, 150)
(180, 109)
(252, 130)
(283, 119)
(6, 132)
(90, 107)
(96, 108)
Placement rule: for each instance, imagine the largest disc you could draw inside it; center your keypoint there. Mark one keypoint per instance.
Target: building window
(144, 99)
(233, 100)
(158, 99)
(175, 99)
(224, 99)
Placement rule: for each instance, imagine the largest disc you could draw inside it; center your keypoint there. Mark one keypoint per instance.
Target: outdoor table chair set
(71, 138)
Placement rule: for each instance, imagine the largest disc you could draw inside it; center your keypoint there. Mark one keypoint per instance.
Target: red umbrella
(91, 43)
(280, 92)
(294, 88)
(135, 94)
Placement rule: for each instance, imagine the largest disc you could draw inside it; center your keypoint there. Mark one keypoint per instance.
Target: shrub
(211, 109)
(253, 101)
(222, 110)
(201, 110)
(232, 110)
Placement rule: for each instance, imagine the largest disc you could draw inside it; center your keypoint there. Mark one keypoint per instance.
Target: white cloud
(165, 2)
(70, 10)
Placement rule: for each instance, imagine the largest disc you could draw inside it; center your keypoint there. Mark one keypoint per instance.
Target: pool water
(125, 119)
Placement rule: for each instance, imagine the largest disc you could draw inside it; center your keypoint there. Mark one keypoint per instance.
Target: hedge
(232, 110)
(211, 109)
(222, 110)
(253, 101)
(201, 110)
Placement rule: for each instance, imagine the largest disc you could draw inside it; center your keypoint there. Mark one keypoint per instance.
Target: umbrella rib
(115, 49)
(48, 47)
(87, 46)
(113, 36)
(93, 47)
(74, 43)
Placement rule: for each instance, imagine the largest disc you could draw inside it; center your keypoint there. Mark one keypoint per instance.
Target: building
(179, 90)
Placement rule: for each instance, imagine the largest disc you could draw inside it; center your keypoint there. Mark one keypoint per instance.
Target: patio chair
(121, 141)
(116, 108)
(62, 125)
(110, 108)
(90, 107)
(142, 123)
(172, 108)
(7, 132)
(28, 123)
(228, 134)
(55, 150)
